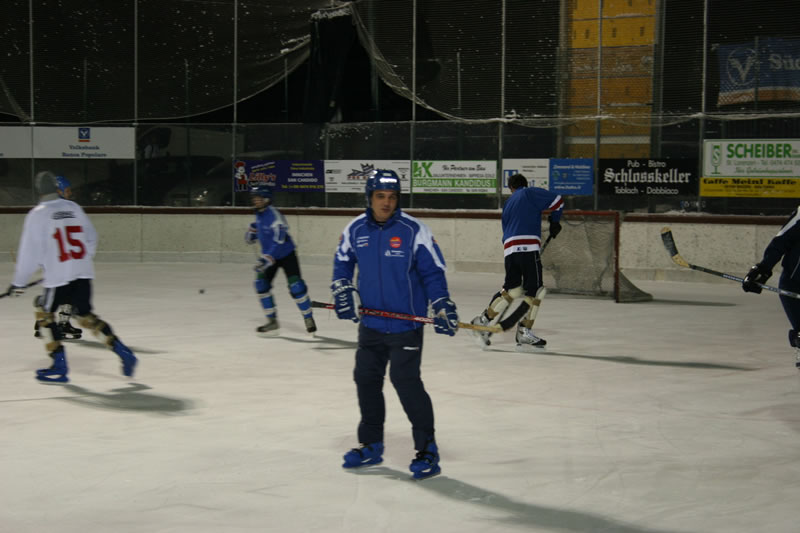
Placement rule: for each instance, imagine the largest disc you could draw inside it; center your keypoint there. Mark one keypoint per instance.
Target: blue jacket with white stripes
(522, 218)
(400, 267)
(273, 233)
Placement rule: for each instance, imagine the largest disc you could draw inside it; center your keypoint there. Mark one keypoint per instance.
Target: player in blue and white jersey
(522, 243)
(402, 270)
(271, 231)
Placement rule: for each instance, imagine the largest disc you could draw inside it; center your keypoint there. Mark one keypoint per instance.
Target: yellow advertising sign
(750, 187)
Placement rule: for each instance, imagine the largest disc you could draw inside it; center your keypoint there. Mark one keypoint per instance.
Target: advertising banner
(536, 170)
(454, 177)
(572, 176)
(350, 175)
(647, 177)
(295, 176)
(84, 142)
(762, 70)
(751, 168)
(15, 142)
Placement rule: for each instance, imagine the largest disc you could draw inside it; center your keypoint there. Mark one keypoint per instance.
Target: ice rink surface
(677, 415)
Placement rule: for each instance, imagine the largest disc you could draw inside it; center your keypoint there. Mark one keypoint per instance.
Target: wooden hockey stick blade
(31, 284)
(672, 249)
(413, 318)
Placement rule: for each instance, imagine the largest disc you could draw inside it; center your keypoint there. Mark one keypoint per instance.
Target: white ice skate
(527, 341)
(481, 337)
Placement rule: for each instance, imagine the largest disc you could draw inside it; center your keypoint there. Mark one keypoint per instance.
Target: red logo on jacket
(395, 242)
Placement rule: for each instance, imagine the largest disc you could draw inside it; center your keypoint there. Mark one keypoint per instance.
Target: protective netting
(623, 65)
(146, 59)
(583, 259)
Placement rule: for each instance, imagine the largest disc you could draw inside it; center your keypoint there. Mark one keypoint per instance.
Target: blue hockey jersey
(786, 245)
(400, 268)
(273, 233)
(522, 218)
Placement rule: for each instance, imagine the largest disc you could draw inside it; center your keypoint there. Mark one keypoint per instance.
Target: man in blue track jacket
(400, 269)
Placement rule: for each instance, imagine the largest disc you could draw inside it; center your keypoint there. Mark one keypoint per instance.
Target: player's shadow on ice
(692, 302)
(516, 513)
(628, 360)
(97, 344)
(130, 398)
(320, 342)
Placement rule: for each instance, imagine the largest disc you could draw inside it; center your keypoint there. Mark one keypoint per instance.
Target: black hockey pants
(403, 353)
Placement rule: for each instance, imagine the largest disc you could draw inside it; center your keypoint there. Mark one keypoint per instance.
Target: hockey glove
(14, 291)
(445, 318)
(264, 262)
(345, 300)
(251, 235)
(757, 274)
(555, 227)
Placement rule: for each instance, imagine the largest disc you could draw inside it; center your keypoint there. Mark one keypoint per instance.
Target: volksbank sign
(751, 168)
(762, 70)
(647, 177)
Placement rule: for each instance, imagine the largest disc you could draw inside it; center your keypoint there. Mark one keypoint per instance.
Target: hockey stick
(672, 249)
(413, 318)
(31, 284)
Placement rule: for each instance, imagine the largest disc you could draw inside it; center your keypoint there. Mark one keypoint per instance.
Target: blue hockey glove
(445, 318)
(345, 298)
(14, 291)
(251, 235)
(264, 262)
(757, 274)
(555, 227)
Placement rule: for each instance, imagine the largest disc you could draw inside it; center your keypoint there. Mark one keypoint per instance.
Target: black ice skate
(69, 332)
(311, 326)
(270, 329)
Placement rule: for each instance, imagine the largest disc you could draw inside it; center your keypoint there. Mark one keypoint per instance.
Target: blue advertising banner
(573, 177)
(765, 69)
(297, 176)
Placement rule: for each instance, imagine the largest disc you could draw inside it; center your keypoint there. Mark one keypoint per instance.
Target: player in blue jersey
(400, 269)
(522, 241)
(786, 245)
(277, 251)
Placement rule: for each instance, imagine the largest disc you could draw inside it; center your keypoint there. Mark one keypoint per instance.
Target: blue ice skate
(128, 359)
(367, 454)
(57, 373)
(426, 463)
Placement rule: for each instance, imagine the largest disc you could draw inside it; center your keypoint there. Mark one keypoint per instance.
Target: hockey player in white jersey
(59, 238)
(68, 331)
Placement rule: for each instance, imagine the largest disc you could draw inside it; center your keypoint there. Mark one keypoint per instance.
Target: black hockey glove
(757, 274)
(555, 227)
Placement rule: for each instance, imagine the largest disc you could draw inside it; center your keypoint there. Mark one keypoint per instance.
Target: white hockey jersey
(57, 237)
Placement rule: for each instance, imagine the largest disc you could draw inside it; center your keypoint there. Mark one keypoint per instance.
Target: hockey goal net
(584, 258)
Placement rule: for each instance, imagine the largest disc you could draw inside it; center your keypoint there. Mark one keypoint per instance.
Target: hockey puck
(202, 291)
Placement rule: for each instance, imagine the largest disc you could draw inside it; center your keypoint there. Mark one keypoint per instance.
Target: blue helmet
(262, 189)
(382, 180)
(62, 184)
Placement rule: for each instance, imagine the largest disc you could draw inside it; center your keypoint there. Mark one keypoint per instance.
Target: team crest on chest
(395, 242)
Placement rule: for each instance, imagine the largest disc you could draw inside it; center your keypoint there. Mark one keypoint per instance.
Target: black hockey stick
(403, 316)
(672, 249)
(31, 284)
